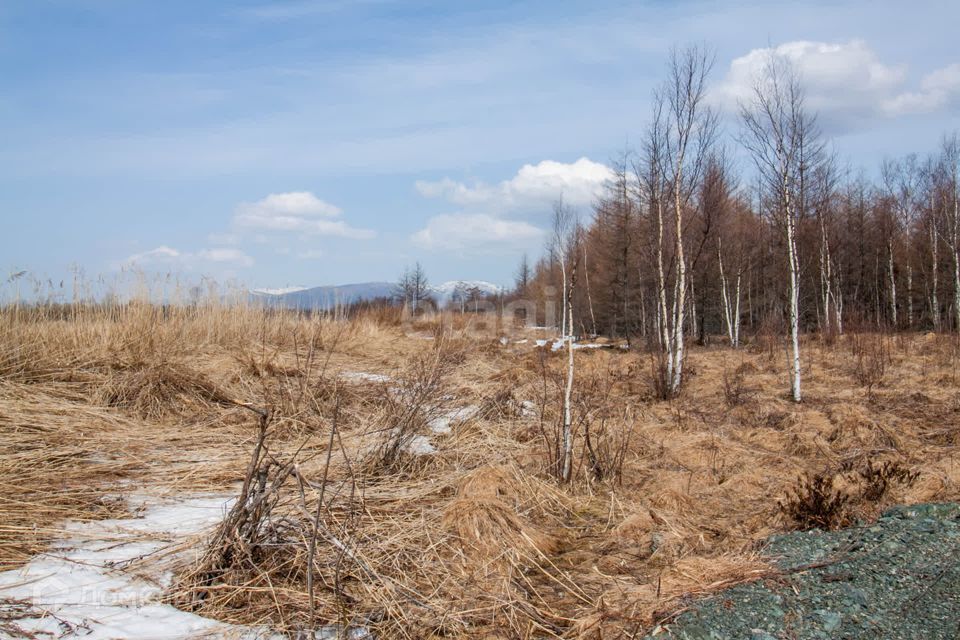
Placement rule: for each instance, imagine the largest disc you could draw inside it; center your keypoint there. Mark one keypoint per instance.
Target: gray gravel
(896, 578)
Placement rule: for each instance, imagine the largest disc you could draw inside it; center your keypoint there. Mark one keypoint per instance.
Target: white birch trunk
(956, 288)
(934, 277)
(909, 295)
(724, 297)
(563, 312)
(893, 284)
(790, 223)
(663, 327)
(681, 289)
(956, 253)
(736, 314)
(567, 412)
(825, 275)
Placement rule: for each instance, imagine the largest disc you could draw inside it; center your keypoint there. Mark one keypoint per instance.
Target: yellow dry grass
(475, 539)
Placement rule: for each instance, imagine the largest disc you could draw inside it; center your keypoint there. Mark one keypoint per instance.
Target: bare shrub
(660, 376)
(871, 356)
(815, 503)
(407, 405)
(500, 405)
(768, 336)
(735, 392)
(877, 479)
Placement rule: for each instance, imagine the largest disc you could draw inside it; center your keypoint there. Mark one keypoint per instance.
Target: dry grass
(474, 539)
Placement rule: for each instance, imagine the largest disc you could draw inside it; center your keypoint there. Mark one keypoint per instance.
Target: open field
(402, 477)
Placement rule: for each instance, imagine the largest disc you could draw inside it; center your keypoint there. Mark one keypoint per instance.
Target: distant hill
(444, 293)
(330, 296)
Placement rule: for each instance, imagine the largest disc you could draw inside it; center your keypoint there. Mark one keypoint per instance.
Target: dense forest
(688, 243)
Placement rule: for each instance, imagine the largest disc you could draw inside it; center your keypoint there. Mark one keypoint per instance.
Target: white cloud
(221, 254)
(296, 211)
(534, 186)
(937, 90)
(844, 82)
(475, 233)
(310, 254)
(164, 256)
(162, 253)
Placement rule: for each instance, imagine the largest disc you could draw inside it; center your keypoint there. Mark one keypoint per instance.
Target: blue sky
(309, 142)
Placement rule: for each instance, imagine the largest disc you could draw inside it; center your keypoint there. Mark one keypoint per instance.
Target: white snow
(443, 424)
(278, 291)
(421, 446)
(105, 579)
(446, 291)
(440, 425)
(363, 376)
(561, 343)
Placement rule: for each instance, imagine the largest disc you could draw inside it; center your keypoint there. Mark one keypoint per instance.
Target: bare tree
(681, 135)
(783, 139)
(560, 250)
(901, 179)
(825, 178)
(586, 278)
(573, 241)
(522, 278)
(931, 220)
(951, 162)
(412, 288)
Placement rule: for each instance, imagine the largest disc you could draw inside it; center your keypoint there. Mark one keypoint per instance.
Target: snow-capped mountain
(328, 297)
(278, 291)
(447, 291)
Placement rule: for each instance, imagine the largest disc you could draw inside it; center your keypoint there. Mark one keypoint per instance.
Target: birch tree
(951, 162)
(681, 135)
(825, 181)
(931, 219)
(560, 250)
(781, 136)
(573, 240)
(901, 180)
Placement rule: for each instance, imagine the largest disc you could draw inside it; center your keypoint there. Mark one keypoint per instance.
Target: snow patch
(421, 446)
(443, 424)
(363, 376)
(561, 343)
(84, 584)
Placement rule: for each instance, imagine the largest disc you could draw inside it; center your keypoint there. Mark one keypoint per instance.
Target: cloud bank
(846, 83)
(487, 219)
(476, 232)
(164, 257)
(295, 211)
(534, 186)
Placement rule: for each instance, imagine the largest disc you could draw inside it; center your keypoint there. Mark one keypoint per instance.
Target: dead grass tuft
(157, 389)
(349, 519)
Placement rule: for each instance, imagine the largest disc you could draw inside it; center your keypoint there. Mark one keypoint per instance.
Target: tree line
(683, 245)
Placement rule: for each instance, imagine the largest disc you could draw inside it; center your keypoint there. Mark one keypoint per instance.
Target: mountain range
(330, 296)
